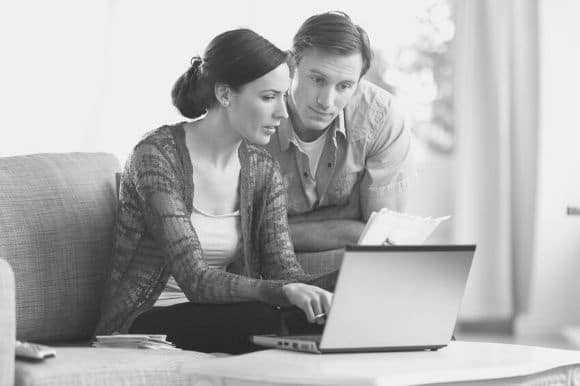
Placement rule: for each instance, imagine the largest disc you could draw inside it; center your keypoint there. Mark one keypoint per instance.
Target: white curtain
(496, 104)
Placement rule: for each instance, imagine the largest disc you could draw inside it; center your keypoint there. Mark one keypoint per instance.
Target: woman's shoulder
(162, 136)
(158, 143)
(162, 140)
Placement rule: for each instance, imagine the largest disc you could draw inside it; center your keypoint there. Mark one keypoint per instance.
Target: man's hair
(333, 32)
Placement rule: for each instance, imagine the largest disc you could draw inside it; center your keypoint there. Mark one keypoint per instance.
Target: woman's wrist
(271, 292)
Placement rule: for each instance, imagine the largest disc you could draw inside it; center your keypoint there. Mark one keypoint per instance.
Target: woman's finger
(308, 311)
(316, 305)
(318, 309)
(326, 302)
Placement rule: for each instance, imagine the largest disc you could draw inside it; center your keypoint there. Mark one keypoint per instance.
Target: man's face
(322, 84)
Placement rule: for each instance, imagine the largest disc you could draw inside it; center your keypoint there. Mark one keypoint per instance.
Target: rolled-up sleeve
(390, 163)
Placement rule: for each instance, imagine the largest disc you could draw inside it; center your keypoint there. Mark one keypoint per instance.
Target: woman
(202, 216)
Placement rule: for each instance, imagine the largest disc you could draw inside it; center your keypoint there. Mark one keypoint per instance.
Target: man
(345, 150)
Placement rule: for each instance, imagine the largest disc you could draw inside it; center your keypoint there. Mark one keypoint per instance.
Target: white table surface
(460, 361)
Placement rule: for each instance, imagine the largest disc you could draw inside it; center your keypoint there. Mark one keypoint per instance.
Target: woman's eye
(268, 97)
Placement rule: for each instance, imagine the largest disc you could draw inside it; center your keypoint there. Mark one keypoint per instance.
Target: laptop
(389, 298)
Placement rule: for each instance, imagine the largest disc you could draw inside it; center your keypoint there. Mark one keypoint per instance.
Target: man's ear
(292, 64)
(223, 94)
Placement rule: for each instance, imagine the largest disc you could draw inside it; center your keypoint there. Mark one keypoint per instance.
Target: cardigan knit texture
(154, 237)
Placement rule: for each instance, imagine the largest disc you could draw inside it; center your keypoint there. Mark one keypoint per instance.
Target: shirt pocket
(341, 187)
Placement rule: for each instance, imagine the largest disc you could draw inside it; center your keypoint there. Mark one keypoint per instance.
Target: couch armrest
(7, 323)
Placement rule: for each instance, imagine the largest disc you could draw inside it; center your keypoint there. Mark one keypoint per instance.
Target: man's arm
(324, 235)
(327, 228)
(335, 227)
(389, 164)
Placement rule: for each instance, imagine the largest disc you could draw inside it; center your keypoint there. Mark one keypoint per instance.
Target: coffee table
(460, 362)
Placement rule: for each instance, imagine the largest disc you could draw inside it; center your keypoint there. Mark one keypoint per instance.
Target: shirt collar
(286, 133)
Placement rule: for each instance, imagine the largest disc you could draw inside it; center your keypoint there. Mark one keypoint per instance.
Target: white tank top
(220, 237)
(313, 150)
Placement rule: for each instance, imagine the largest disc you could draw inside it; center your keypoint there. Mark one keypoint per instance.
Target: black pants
(221, 327)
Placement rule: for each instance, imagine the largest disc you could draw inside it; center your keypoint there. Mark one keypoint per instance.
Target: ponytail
(190, 91)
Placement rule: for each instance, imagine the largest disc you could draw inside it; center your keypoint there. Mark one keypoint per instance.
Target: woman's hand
(310, 299)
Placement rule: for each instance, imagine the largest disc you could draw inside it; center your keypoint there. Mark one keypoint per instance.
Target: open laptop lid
(397, 297)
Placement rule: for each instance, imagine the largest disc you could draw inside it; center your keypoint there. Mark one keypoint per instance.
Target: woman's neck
(213, 139)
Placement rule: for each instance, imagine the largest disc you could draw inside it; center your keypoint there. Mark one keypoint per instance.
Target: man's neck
(308, 135)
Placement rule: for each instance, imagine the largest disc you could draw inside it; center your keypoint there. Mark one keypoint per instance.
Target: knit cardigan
(154, 237)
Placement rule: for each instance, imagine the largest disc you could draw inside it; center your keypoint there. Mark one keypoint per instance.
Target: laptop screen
(397, 296)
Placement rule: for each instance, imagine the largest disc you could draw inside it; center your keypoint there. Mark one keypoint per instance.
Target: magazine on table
(146, 341)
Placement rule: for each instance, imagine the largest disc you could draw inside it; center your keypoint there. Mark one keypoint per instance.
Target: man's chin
(318, 125)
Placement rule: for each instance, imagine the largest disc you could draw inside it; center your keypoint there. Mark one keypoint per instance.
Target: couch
(57, 214)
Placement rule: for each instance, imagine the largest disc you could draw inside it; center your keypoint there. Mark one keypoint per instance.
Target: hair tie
(196, 61)
(195, 69)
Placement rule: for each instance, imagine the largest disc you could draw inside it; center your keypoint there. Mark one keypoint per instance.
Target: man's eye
(318, 80)
(345, 86)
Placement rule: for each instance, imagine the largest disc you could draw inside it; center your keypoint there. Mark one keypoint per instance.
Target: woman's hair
(333, 32)
(234, 58)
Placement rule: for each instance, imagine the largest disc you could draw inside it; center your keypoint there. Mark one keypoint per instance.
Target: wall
(51, 74)
(96, 76)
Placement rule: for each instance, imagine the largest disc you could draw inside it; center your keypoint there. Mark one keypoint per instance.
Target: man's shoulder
(368, 109)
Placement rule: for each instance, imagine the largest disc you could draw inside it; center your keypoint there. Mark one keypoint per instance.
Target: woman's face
(256, 109)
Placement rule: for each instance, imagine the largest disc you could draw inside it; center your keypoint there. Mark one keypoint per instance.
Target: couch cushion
(108, 367)
(57, 214)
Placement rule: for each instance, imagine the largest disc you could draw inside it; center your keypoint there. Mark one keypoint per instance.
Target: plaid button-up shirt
(368, 148)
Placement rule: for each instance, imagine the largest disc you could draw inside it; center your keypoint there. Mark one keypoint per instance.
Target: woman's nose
(281, 111)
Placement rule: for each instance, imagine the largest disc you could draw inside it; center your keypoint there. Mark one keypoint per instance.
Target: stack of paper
(154, 342)
(390, 227)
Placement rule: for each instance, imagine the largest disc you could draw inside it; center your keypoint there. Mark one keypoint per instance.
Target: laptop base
(312, 345)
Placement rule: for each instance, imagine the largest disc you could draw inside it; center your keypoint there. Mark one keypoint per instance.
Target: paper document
(154, 342)
(390, 227)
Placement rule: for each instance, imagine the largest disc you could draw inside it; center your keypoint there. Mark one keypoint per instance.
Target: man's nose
(325, 98)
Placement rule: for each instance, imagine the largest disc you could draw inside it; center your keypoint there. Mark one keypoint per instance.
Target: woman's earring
(225, 103)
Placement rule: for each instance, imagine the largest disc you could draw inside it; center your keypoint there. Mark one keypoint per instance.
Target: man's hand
(313, 301)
